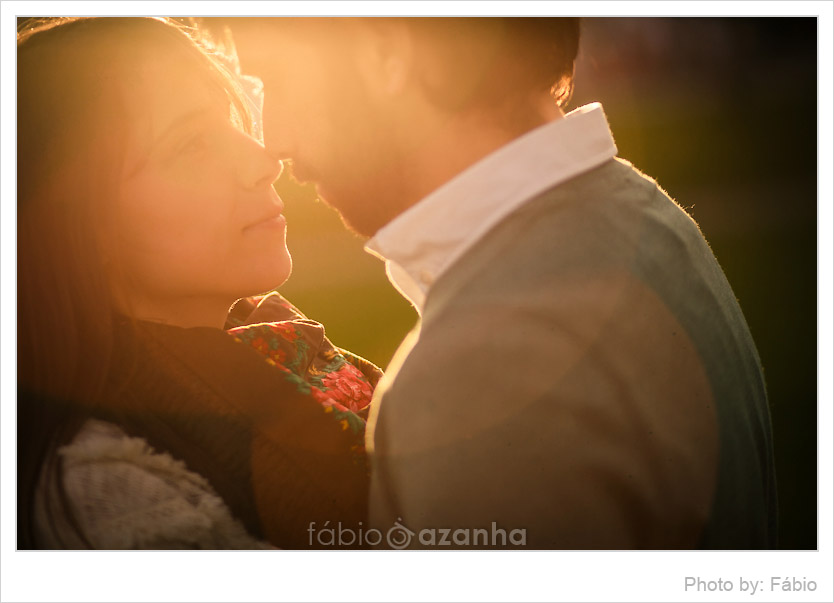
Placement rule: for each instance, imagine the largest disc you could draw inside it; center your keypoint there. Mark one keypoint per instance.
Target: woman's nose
(275, 129)
(256, 167)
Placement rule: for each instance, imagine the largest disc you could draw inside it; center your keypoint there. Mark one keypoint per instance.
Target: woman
(149, 415)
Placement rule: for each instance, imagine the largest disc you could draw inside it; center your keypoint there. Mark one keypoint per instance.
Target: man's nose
(274, 152)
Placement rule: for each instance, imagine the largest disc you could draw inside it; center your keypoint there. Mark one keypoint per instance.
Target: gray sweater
(584, 376)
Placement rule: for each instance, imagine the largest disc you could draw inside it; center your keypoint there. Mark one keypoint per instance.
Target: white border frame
(378, 576)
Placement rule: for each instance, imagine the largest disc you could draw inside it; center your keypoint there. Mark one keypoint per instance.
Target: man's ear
(384, 56)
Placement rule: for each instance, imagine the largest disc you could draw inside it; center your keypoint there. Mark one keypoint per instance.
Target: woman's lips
(273, 221)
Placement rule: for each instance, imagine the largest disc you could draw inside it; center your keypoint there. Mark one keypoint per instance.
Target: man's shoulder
(595, 223)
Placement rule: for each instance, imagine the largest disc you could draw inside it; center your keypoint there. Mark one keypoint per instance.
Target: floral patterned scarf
(340, 381)
(269, 411)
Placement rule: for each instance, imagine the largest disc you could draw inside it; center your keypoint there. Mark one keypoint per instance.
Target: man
(582, 375)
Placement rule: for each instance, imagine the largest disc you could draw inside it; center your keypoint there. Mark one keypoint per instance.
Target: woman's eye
(194, 144)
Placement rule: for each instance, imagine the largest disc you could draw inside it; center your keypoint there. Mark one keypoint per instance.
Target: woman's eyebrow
(179, 122)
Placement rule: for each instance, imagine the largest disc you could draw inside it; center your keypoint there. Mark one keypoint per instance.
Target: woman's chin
(275, 276)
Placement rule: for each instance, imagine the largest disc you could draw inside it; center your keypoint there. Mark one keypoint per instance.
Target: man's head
(379, 112)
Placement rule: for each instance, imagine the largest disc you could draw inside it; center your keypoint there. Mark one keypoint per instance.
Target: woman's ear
(384, 56)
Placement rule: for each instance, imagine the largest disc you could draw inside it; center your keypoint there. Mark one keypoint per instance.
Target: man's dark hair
(468, 62)
(489, 61)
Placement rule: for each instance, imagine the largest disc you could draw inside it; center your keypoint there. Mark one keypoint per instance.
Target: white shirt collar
(426, 239)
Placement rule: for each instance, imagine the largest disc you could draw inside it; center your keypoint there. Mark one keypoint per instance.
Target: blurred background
(722, 113)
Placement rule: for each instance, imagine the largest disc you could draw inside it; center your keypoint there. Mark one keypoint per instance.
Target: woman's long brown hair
(72, 129)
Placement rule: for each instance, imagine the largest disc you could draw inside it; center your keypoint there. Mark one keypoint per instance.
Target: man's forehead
(288, 30)
(264, 45)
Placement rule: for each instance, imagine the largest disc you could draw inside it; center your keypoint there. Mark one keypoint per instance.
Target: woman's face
(197, 222)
